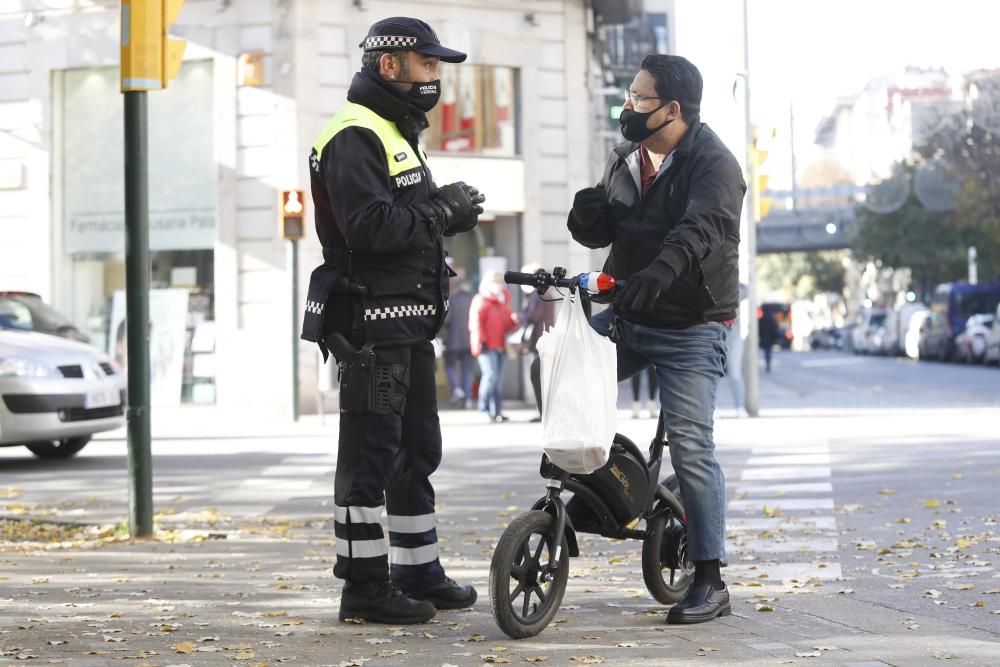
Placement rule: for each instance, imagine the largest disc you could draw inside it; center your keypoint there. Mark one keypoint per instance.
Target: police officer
(376, 302)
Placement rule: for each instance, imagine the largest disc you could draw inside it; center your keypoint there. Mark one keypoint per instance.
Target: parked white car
(993, 341)
(867, 336)
(56, 393)
(970, 345)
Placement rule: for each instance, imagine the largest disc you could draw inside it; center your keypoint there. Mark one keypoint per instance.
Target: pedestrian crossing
(780, 520)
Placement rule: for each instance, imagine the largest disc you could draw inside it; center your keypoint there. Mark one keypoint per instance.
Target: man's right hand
(454, 208)
(589, 205)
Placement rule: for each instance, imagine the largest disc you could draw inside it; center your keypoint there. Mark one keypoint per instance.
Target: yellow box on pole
(141, 48)
(149, 57)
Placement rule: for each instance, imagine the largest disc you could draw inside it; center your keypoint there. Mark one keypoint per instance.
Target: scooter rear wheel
(666, 569)
(525, 591)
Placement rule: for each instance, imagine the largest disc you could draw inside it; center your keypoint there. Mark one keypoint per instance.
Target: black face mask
(424, 95)
(634, 124)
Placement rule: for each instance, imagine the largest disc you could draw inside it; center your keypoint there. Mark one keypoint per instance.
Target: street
(862, 524)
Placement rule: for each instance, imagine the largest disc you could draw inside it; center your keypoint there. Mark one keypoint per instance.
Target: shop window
(182, 227)
(477, 112)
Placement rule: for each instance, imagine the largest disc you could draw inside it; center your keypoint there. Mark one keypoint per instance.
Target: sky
(811, 52)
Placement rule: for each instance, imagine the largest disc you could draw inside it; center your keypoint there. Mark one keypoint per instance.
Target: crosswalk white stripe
(780, 572)
(780, 489)
(277, 483)
(819, 545)
(784, 524)
(786, 472)
(789, 449)
(790, 459)
(782, 504)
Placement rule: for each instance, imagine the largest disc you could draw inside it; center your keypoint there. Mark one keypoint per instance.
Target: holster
(371, 381)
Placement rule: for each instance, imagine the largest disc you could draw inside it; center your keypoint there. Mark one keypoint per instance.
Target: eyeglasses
(635, 98)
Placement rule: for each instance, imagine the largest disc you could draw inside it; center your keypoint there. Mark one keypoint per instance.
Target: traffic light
(150, 58)
(758, 153)
(293, 215)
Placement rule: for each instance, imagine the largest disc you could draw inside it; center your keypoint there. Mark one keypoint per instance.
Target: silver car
(56, 393)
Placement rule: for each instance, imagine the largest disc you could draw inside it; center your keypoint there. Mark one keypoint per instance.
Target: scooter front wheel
(528, 575)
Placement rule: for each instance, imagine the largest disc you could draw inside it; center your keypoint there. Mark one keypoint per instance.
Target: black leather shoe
(446, 595)
(382, 602)
(702, 603)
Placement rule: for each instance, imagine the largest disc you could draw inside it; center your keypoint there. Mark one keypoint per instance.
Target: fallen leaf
(961, 587)
(184, 647)
(931, 504)
(536, 658)
(587, 659)
(765, 607)
(808, 654)
(887, 492)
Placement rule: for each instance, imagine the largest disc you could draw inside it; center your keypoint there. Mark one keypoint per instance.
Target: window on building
(182, 227)
(477, 112)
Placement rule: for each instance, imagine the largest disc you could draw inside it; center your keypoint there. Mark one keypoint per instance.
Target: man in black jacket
(669, 206)
(376, 302)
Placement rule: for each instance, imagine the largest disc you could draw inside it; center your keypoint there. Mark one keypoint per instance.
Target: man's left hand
(645, 287)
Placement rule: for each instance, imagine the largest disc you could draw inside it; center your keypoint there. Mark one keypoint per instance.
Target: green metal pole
(140, 458)
(295, 330)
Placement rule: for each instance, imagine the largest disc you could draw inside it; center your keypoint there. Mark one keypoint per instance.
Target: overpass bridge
(822, 219)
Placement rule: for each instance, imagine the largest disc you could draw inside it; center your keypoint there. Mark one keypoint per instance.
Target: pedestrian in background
(734, 362)
(459, 365)
(769, 333)
(490, 320)
(637, 392)
(537, 315)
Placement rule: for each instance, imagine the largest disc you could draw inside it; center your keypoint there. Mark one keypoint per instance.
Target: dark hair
(676, 79)
(370, 62)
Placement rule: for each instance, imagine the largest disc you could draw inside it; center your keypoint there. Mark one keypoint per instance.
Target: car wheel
(58, 449)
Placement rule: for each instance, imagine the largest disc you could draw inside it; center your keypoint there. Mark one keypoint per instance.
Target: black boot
(445, 595)
(382, 602)
(707, 598)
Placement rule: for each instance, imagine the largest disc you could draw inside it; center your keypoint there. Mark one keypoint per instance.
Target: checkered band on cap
(388, 42)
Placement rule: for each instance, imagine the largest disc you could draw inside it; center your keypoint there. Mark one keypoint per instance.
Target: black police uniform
(377, 300)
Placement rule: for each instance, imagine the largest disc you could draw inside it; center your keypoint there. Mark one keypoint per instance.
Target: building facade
(259, 81)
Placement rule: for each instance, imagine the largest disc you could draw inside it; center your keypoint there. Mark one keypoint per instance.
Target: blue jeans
(458, 364)
(689, 364)
(491, 365)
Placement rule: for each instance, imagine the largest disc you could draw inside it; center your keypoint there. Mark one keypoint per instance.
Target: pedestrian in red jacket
(490, 320)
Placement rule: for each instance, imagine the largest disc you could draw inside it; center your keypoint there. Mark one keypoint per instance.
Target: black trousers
(384, 462)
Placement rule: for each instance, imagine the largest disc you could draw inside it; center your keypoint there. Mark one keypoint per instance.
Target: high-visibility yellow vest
(399, 154)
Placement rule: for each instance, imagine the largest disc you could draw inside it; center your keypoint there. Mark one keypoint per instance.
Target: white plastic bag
(579, 391)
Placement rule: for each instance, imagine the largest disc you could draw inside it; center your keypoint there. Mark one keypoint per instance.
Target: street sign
(293, 215)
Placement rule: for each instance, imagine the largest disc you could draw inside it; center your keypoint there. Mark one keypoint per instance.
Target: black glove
(646, 286)
(452, 209)
(469, 222)
(589, 205)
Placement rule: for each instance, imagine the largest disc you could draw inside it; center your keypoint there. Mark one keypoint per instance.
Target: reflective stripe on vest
(399, 154)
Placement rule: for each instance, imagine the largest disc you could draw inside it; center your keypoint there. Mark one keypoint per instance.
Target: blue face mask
(633, 124)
